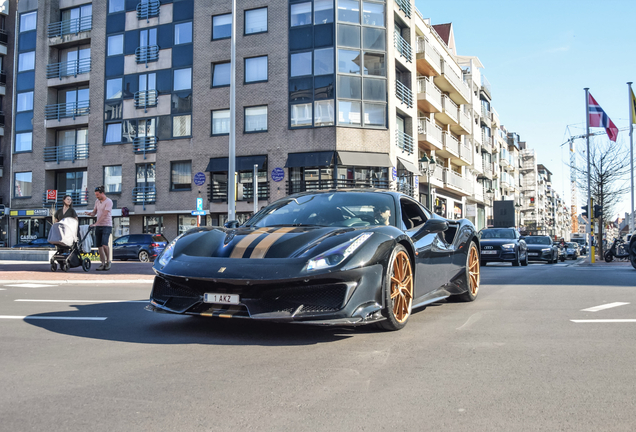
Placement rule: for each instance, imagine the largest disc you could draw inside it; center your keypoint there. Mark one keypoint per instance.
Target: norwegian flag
(598, 118)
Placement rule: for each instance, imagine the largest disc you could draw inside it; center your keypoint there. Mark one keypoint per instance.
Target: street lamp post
(490, 193)
(518, 211)
(428, 166)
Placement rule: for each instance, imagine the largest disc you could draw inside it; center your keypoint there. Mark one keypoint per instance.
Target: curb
(79, 281)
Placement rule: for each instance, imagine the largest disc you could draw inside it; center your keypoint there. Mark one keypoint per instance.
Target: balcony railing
(146, 99)
(450, 108)
(405, 6)
(245, 191)
(485, 114)
(402, 46)
(68, 152)
(404, 94)
(431, 130)
(66, 110)
(80, 198)
(148, 9)
(430, 53)
(466, 152)
(487, 168)
(456, 80)
(72, 26)
(457, 181)
(145, 144)
(248, 191)
(433, 94)
(486, 142)
(4, 37)
(450, 143)
(485, 86)
(464, 119)
(147, 54)
(70, 68)
(144, 195)
(406, 188)
(404, 141)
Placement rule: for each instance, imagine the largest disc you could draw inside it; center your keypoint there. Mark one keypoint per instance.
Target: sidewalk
(36, 271)
(601, 263)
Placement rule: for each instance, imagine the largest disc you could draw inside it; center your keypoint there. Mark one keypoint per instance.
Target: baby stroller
(67, 246)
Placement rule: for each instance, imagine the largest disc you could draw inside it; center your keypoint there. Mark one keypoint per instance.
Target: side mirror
(433, 226)
(231, 224)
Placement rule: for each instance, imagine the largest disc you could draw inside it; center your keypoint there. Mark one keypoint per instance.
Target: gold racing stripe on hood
(246, 241)
(261, 248)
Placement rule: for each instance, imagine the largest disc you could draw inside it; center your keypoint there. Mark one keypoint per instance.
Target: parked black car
(540, 248)
(144, 247)
(503, 245)
(37, 243)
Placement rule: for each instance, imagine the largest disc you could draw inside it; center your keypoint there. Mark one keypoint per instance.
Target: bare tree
(609, 168)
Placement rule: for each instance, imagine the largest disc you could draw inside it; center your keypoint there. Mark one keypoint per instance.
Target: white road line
(603, 307)
(605, 321)
(52, 318)
(82, 301)
(30, 285)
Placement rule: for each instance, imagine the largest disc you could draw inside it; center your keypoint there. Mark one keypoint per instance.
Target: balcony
(405, 6)
(486, 142)
(147, 54)
(404, 141)
(485, 87)
(429, 97)
(217, 192)
(80, 198)
(146, 99)
(70, 68)
(450, 147)
(404, 94)
(70, 27)
(406, 188)
(487, 169)
(464, 123)
(69, 152)
(448, 115)
(455, 181)
(402, 47)
(452, 83)
(66, 110)
(428, 59)
(143, 195)
(148, 9)
(145, 144)
(465, 153)
(485, 116)
(429, 132)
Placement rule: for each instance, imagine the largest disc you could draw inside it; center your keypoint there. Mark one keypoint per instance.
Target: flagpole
(631, 154)
(589, 182)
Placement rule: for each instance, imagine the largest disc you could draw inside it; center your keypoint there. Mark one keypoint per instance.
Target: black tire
(64, 266)
(53, 265)
(525, 261)
(397, 321)
(551, 260)
(517, 261)
(86, 264)
(608, 257)
(632, 254)
(143, 256)
(562, 259)
(473, 275)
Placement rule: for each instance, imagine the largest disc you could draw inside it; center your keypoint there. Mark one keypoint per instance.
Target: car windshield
(353, 209)
(159, 238)
(539, 240)
(497, 233)
(572, 245)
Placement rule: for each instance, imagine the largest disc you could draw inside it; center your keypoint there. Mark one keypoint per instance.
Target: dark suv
(145, 247)
(503, 245)
(540, 248)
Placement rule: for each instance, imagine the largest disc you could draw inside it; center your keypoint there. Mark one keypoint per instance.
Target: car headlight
(168, 252)
(338, 254)
(508, 246)
(546, 250)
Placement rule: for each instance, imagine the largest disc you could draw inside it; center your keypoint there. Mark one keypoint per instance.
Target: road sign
(394, 173)
(199, 204)
(51, 195)
(199, 179)
(278, 174)
(197, 212)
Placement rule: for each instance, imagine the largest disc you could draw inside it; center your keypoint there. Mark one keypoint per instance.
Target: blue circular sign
(278, 174)
(199, 179)
(394, 173)
(417, 182)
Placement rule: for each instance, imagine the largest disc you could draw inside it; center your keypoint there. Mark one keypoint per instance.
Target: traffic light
(585, 213)
(598, 211)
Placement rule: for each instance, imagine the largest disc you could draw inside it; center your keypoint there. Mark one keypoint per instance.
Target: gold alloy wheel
(473, 271)
(402, 287)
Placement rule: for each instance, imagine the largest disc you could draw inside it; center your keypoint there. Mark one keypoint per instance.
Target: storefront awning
(312, 159)
(410, 166)
(364, 159)
(243, 163)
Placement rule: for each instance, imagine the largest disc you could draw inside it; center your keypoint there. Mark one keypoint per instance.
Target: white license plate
(232, 299)
(533, 254)
(493, 252)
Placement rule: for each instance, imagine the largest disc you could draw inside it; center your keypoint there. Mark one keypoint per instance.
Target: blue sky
(539, 56)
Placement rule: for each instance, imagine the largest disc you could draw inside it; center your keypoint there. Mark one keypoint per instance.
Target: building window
(26, 61)
(256, 119)
(23, 142)
(112, 179)
(374, 115)
(25, 102)
(114, 88)
(183, 33)
(256, 21)
(323, 61)
(301, 64)
(256, 69)
(81, 16)
(323, 11)
(221, 74)
(300, 14)
(116, 6)
(22, 184)
(323, 113)
(186, 222)
(221, 122)
(222, 26)
(349, 11)
(153, 225)
(301, 115)
(182, 79)
(374, 64)
(373, 14)
(349, 62)
(348, 113)
(113, 133)
(181, 126)
(181, 175)
(115, 45)
(28, 21)
(148, 37)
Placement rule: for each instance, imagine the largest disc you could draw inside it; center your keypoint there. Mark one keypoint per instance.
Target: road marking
(605, 321)
(52, 318)
(603, 307)
(30, 285)
(82, 301)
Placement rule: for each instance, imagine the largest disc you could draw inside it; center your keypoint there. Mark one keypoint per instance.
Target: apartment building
(7, 41)
(134, 95)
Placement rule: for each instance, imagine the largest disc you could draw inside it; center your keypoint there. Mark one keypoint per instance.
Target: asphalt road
(512, 360)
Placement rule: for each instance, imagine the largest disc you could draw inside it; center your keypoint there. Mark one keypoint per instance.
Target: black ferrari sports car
(328, 257)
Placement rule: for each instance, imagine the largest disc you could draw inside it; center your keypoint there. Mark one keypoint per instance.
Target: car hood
(537, 247)
(496, 242)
